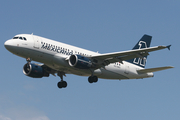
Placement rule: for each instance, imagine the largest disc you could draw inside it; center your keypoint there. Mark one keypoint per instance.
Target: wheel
(95, 79)
(59, 84)
(90, 80)
(62, 84)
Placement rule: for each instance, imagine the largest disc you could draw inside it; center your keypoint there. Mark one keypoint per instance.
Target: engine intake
(80, 62)
(34, 70)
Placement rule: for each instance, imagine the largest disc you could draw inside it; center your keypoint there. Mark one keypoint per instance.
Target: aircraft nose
(8, 44)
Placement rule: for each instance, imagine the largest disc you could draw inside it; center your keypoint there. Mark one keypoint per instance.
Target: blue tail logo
(140, 61)
(144, 42)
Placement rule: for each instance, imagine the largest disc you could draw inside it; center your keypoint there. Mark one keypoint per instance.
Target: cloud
(40, 118)
(18, 107)
(4, 118)
(33, 118)
(25, 113)
(22, 113)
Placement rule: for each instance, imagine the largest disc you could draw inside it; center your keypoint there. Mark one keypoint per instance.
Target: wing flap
(142, 71)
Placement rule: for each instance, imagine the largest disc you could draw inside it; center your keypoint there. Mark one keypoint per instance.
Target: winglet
(168, 47)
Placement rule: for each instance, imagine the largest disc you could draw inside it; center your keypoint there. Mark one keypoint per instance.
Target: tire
(64, 84)
(60, 85)
(90, 80)
(95, 79)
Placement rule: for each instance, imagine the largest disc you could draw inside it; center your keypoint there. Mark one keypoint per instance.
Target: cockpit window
(22, 38)
(15, 37)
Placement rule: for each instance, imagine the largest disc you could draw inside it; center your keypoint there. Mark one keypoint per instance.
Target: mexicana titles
(55, 48)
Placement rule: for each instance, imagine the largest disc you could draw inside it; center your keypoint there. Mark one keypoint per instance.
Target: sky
(98, 25)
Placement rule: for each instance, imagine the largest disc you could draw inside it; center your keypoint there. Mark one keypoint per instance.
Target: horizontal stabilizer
(142, 71)
(168, 46)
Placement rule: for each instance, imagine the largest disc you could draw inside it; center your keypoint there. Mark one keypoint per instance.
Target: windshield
(21, 38)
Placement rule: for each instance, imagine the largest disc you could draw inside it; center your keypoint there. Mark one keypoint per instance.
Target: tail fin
(144, 42)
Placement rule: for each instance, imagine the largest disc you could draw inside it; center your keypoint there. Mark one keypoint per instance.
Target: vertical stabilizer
(144, 42)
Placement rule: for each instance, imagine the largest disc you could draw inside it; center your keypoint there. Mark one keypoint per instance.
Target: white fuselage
(55, 55)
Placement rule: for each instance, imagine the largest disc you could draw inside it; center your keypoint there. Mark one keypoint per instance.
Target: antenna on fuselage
(31, 33)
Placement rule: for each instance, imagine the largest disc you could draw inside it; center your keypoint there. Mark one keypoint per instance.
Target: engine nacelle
(34, 70)
(80, 62)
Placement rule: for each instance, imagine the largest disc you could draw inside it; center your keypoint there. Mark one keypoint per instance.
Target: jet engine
(80, 62)
(34, 70)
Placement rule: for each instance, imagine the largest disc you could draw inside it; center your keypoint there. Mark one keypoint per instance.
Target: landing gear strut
(62, 83)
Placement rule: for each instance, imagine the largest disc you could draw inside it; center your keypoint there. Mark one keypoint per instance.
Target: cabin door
(36, 42)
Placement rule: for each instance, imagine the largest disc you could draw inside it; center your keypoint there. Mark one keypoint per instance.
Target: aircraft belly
(109, 72)
(81, 72)
(70, 70)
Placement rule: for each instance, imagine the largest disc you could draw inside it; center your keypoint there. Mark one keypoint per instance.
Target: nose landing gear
(28, 60)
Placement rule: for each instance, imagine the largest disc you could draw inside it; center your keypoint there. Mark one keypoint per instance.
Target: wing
(105, 59)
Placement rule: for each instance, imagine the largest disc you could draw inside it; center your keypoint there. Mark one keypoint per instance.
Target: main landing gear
(62, 83)
(92, 79)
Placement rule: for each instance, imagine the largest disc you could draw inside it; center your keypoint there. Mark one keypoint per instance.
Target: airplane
(61, 59)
